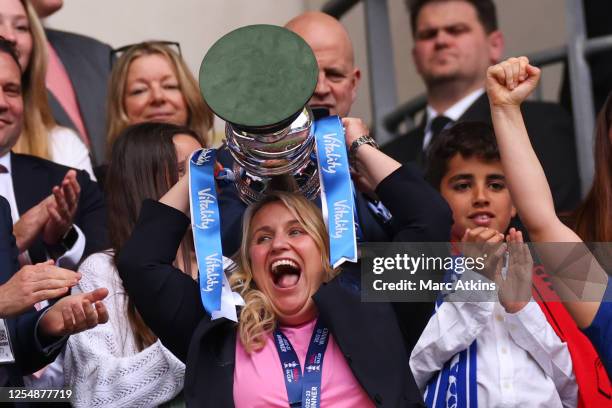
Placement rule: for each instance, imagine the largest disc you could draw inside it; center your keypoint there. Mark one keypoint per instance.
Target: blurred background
(528, 25)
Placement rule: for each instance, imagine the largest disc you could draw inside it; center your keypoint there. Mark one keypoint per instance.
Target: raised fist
(510, 82)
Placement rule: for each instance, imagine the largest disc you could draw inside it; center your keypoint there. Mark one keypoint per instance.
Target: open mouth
(285, 273)
(482, 218)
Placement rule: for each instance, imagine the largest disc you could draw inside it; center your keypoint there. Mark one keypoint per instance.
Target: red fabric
(594, 388)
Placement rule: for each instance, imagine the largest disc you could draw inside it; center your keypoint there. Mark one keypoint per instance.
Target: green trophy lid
(258, 76)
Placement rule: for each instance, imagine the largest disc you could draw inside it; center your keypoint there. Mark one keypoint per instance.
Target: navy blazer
(88, 64)
(28, 357)
(33, 180)
(551, 132)
(375, 338)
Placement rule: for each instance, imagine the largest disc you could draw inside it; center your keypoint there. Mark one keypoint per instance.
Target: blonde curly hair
(257, 319)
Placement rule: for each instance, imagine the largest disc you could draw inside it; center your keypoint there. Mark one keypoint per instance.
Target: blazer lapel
(421, 157)
(478, 111)
(31, 184)
(369, 337)
(210, 364)
(60, 115)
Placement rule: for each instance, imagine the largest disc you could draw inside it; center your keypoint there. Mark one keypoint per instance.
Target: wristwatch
(365, 139)
(65, 244)
(69, 238)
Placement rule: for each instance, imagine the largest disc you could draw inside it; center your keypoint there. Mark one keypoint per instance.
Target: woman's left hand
(354, 128)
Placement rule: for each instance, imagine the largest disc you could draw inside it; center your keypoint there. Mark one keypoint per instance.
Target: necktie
(438, 124)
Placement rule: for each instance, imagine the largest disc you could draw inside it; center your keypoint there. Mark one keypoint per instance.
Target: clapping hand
(487, 243)
(515, 286)
(33, 284)
(62, 209)
(75, 313)
(31, 223)
(514, 283)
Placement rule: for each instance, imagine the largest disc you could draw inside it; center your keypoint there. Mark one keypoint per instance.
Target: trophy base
(252, 188)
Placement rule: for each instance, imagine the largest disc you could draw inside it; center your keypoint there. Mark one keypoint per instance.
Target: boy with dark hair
(478, 353)
(469, 139)
(465, 167)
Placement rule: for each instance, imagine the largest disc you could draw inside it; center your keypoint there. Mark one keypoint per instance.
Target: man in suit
(455, 41)
(77, 81)
(61, 211)
(30, 339)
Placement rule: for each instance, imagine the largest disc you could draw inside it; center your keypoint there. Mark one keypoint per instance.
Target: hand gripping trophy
(258, 79)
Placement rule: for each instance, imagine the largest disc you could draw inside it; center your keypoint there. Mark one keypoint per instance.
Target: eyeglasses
(118, 52)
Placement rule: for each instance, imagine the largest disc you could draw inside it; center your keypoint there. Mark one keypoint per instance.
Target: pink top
(259, 382)
(58, 82)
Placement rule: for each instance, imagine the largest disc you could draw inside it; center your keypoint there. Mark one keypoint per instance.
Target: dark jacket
(22, 329)
(369, 334)
(551, 132)
(88, 64)
(33, 180)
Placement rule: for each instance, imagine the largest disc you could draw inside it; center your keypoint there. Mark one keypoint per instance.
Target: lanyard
(336, 190)
(206, 227)
(303, 390)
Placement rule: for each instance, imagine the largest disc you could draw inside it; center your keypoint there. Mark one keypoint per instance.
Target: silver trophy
(274, 158)
(259, 79)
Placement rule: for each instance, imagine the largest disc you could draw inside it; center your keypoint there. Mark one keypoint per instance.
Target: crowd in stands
(99, 278)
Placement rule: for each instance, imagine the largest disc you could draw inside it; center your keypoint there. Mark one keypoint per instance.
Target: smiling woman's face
(15, 27)
(153, 93)
(286, 263)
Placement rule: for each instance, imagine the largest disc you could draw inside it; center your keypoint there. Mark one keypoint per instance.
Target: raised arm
(508, 85)
(178, 196)
(167, 299)
(420, 214)
(371, 165)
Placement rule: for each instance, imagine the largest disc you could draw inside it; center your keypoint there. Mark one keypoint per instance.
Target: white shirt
(66, 148)
(453, 113)
(6, 186)
(521, 362)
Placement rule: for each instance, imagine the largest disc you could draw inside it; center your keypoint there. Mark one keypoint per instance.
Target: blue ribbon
(303, 390)
(206, 227)
(337, 197)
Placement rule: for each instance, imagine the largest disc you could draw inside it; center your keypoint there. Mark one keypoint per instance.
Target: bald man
(338, 77)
